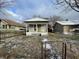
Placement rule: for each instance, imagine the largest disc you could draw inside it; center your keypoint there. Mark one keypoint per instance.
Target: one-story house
(6, 24)
(66, 27)
(36, 26)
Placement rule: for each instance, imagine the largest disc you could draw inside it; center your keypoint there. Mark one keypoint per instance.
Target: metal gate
(52, 50)
(57, 50)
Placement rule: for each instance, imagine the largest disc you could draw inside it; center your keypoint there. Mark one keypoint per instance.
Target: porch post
(26, 27)
(36, 28)
(46, 27)
(7, 26)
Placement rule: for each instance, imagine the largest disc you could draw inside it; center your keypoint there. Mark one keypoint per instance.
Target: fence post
(41, 50)
(45, 51)
(64, 52)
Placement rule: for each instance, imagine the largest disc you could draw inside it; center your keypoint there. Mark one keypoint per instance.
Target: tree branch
(76, 3)
(73, 7)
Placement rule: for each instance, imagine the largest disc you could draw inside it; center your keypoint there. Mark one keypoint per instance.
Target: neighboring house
(67, 27)
(36, 26)
(6, 24)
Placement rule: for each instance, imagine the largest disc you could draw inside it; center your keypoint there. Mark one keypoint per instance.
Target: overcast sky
(24, 9)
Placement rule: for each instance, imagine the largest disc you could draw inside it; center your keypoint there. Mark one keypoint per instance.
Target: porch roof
(36, 20)
(68, 22)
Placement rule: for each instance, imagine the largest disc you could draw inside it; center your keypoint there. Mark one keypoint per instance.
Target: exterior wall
(9, 27)
(69, 29)
(42, 28)
(66, 29)
(18, 28)
(58, 28)
(3, 25)
(36, 33)
(75, 29)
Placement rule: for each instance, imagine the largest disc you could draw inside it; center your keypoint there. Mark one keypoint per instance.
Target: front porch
(37, 29)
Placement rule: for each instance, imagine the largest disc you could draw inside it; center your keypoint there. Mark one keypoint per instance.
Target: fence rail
(6, 34)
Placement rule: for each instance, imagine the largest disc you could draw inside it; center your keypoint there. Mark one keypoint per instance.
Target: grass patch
(57, 36)
(74, 37)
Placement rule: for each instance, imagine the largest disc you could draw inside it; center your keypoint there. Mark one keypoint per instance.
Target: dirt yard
(23, 47)
(20, 47)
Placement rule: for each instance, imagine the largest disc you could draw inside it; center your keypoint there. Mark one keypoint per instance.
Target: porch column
(36, 28)
(26, 27)
(46, 27)
(7, 26)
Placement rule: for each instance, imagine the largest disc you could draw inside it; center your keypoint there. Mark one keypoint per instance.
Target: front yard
(21, 47)
(29, 47)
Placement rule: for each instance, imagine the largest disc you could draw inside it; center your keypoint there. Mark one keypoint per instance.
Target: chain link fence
(60, 50)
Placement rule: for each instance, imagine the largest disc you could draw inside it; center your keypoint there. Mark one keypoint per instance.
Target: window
(4, 26)
(11, 27)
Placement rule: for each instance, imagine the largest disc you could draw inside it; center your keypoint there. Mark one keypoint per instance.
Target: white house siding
(66, 29)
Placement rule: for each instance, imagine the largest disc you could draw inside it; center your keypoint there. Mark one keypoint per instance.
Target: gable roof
(68, 22)
(12, 22)
(36, 19)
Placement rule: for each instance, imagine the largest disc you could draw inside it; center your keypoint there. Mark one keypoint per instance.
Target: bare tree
(53, 21)
(74, 4)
